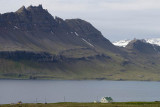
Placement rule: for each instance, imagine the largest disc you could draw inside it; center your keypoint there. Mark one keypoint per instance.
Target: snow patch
(154, 48)
(52, 32)
(155, 41)
(16, 27)
(76, 33)
(87, 42)
(121, 43)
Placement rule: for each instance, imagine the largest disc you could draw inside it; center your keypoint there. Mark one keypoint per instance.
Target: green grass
(139, 69)
(125, 104)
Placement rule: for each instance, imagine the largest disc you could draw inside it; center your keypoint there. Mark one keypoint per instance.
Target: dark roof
(108, 98)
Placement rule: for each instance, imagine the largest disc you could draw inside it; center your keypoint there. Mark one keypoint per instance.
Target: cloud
(129, 5)
(100, 5)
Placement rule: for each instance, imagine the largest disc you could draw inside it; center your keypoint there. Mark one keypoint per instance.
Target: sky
(116, 19)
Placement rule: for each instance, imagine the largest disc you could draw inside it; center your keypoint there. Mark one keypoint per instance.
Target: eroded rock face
(35, 29)
(44, 57)
(30, 18)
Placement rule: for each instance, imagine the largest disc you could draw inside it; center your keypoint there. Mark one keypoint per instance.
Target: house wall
(103, 100)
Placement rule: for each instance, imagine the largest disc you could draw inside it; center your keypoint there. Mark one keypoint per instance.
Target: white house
(106, 100)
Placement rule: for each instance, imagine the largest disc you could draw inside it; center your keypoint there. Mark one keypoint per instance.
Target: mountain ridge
(35, 45)
(47, 24)
(123, 43)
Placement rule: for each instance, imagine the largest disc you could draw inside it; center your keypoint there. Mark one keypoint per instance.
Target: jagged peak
(22, 9)
(136, 42)
(35, 7)
(30, 8)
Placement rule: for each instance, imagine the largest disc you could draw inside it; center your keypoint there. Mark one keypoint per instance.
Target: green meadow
(122, 104)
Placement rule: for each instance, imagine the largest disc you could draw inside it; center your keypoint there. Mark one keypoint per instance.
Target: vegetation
(125, 104)
(116, 68)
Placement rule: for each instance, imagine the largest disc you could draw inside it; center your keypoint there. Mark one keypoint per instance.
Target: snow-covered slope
(123, 43)
(153, 41)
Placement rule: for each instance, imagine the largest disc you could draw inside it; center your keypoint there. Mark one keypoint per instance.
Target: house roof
(108, 98)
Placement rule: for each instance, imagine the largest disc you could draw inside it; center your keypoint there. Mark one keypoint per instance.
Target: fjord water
(39, 91)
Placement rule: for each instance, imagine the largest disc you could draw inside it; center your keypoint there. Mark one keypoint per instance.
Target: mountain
(143, 47)
(123, 43)
(36, 45)
(34, 29)
(33, 42)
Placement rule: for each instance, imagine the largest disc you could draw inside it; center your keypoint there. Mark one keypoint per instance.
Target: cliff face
(34, 29)
(35, 45)
(29, 19)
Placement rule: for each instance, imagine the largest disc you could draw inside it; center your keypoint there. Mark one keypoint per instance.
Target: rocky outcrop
(30, 19)
(44, 57)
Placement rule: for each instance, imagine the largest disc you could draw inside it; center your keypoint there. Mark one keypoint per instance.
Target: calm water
(32, 91)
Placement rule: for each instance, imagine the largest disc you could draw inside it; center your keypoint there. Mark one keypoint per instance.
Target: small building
(106, 100)
(95, 101)
(19, 102)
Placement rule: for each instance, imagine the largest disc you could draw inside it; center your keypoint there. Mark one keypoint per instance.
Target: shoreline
(81, 80)
(73, 104)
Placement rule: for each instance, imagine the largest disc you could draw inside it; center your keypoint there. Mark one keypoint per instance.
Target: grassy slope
(109, 69)
(140, 67)
(128, 104)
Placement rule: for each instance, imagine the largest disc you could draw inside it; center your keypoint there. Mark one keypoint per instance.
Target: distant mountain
(123, 43)
(143, 46)
(36, 45)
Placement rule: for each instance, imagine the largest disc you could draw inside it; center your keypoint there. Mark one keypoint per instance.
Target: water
(37, 91)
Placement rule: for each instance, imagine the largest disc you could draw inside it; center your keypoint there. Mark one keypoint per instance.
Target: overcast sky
(116, 19)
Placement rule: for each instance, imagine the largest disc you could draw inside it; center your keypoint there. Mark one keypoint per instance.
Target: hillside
(35, 45)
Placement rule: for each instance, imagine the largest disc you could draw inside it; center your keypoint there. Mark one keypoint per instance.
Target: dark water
(32, 91)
